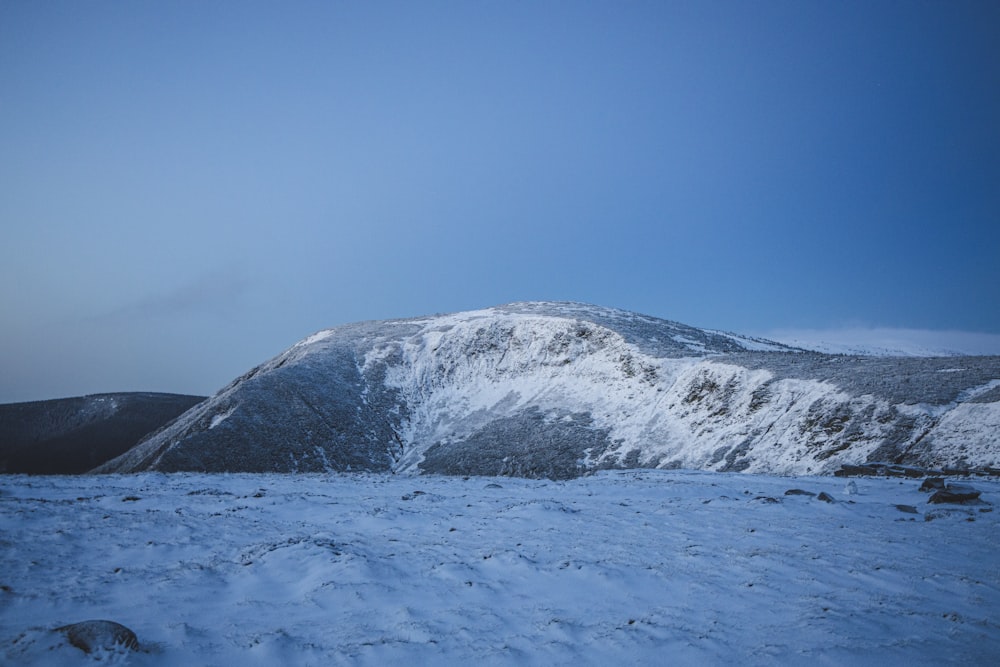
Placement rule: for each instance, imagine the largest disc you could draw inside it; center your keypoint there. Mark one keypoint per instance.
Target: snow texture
(557, 390)
(638, 567)
(885, 342)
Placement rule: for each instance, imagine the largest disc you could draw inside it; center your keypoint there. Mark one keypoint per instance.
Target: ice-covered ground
(650, 567)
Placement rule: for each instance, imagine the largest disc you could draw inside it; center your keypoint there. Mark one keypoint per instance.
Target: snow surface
(627, 567)
(753, 344)
(887, 342)
(220, 417)
(317, 337)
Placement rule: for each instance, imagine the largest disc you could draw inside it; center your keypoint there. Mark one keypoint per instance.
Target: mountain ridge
(73, 435)
(560, 389)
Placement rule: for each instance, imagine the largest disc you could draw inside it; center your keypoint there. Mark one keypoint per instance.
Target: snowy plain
(626, 567)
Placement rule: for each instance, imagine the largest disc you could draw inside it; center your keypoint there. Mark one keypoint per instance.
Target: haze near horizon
(186, 189)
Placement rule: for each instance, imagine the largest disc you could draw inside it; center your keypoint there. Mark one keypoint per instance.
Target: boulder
(956, 495)
(932, 484)
(89, 636)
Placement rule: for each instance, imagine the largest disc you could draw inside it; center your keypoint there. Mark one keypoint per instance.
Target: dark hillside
(73, 435)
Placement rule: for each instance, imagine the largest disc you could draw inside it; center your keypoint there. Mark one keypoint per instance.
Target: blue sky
(188, 188)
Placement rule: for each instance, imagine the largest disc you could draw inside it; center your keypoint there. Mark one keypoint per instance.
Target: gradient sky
(187, 188)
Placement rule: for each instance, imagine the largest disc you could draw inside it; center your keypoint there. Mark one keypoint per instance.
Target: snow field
(638, 567)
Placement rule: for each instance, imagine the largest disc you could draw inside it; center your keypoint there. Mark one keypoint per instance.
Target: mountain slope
(556, 390)
(73, 435)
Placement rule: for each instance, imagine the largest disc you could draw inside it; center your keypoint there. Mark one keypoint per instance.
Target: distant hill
(73, 435)
(543, 389)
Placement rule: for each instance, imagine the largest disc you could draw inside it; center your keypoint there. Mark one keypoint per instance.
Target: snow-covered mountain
(556, 390)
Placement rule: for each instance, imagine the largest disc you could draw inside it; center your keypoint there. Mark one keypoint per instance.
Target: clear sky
(187, 188)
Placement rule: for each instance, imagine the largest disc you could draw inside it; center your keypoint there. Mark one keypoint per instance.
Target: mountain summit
(542, 389)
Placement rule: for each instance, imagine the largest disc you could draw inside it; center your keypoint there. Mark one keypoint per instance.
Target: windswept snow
(220, 417)
(884, 341)
(639, 568)
(752, 344)
(317, 337)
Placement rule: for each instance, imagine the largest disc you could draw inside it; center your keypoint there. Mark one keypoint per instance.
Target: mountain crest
(555, 389)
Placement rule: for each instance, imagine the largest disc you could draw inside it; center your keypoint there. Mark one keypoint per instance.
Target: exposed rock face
(557, 390)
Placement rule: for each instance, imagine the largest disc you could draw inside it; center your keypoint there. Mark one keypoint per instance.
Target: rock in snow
(932, 484)
(955, 495)
(558, 390)
(90, 636)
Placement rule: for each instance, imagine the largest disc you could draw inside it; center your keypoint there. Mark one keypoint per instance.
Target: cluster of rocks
(823, 495)
(942, 492)
(896, 470)
(954, 494)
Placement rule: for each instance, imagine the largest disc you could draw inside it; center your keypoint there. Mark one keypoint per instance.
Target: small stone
(909, 509)
(799, 492)
(825, 497)
(89, 636)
